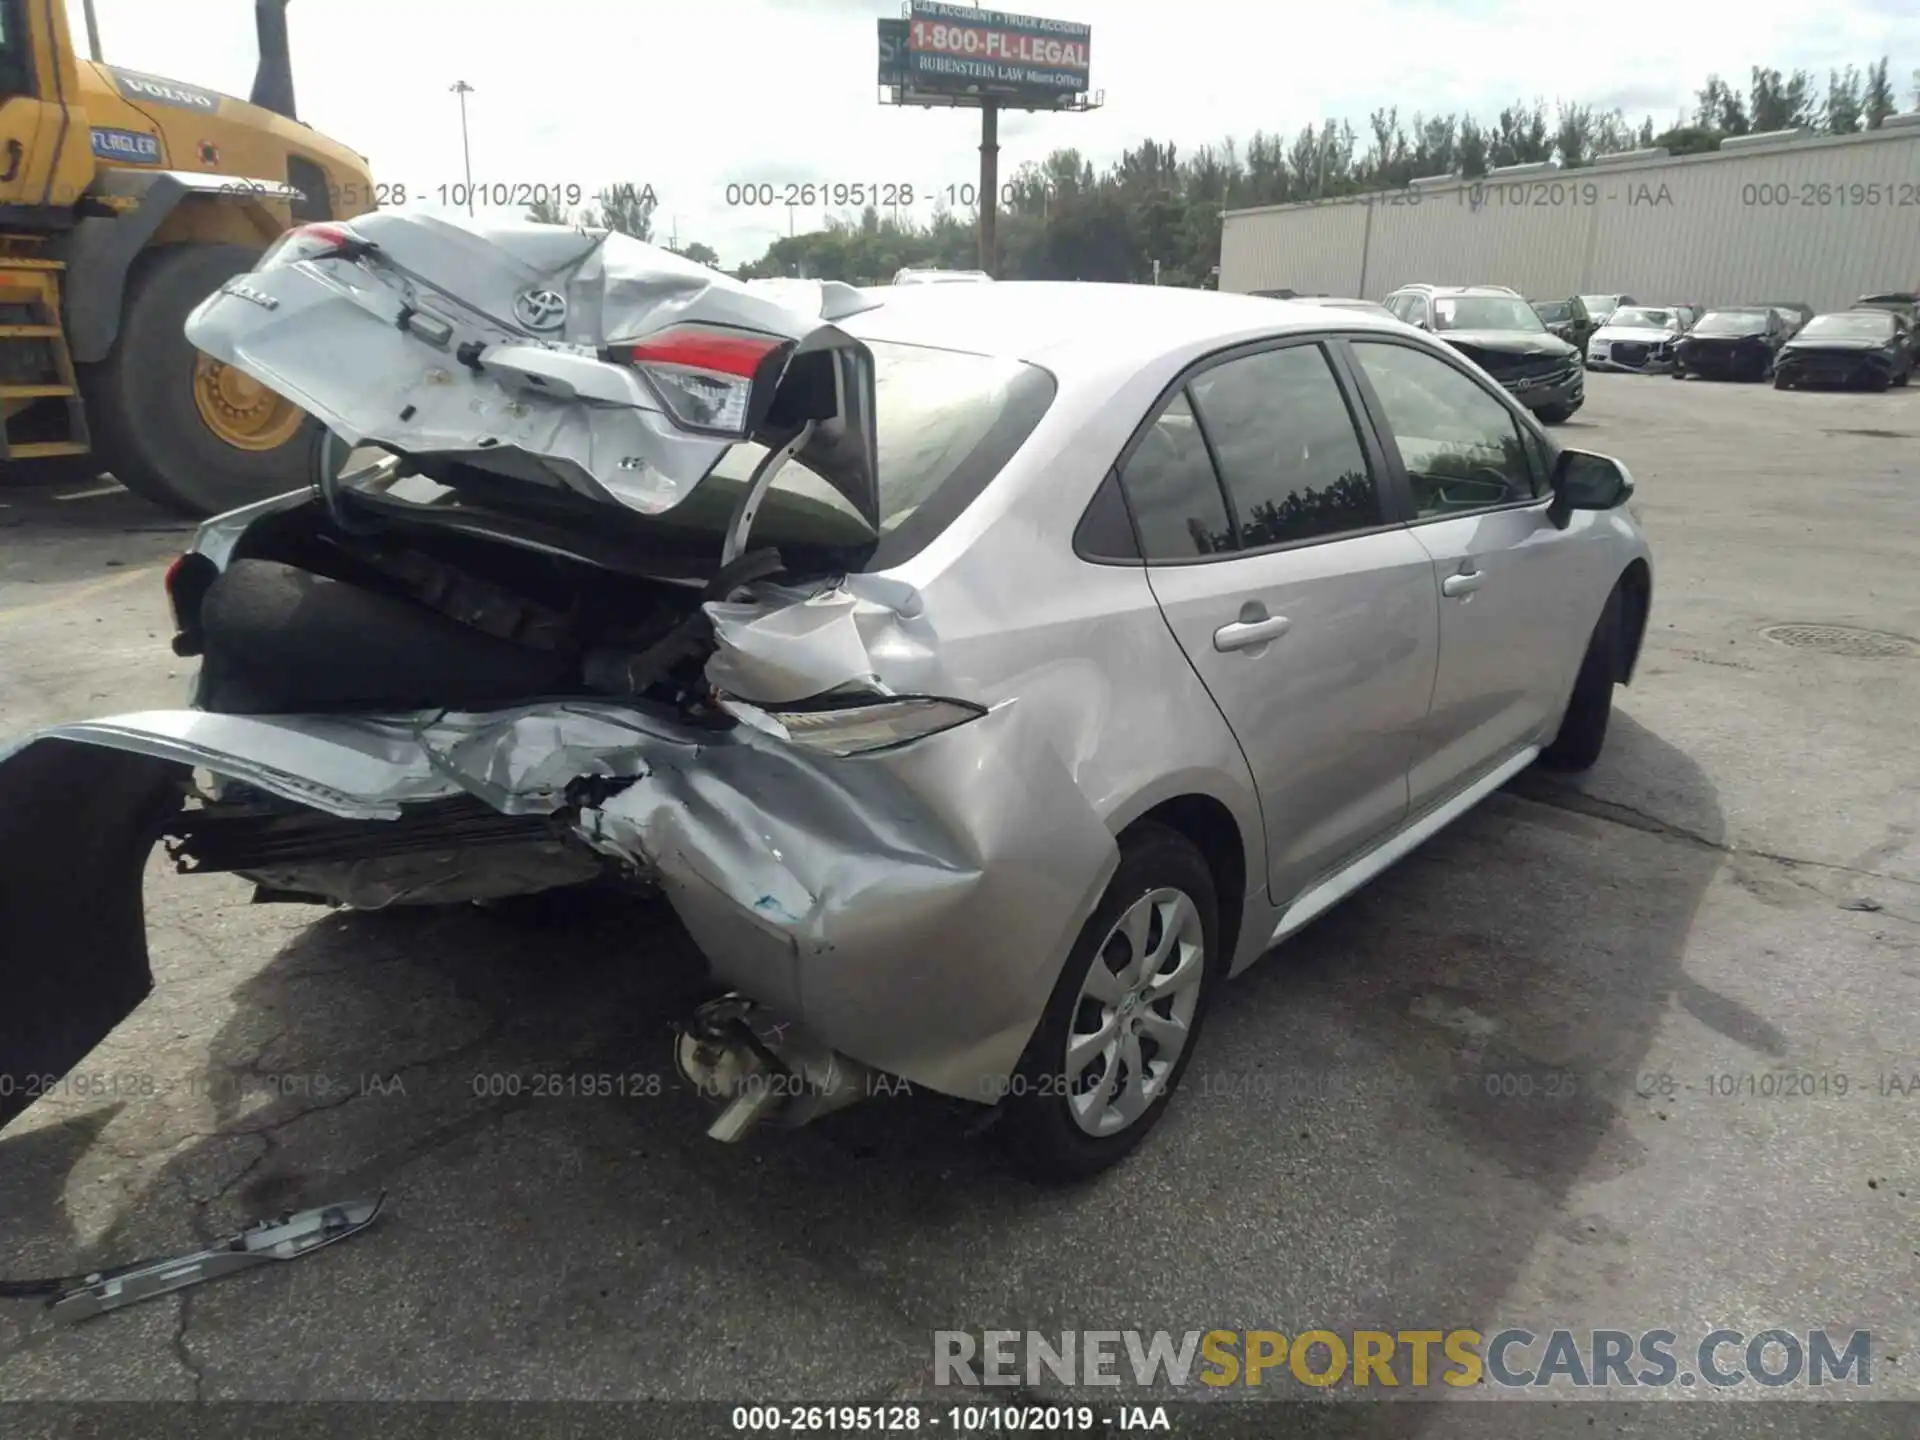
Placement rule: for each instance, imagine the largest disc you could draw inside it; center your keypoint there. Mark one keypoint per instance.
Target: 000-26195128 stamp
(1825, 194)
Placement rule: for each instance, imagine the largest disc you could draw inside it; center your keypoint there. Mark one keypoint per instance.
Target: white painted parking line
(89, 494)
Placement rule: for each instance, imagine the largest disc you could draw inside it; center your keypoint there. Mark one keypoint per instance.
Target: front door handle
(1245, 634)
(1465, 583)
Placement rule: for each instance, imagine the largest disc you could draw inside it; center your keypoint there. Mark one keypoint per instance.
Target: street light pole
(463, 89)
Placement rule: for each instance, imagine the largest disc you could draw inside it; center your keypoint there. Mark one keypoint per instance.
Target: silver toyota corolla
(984, 673)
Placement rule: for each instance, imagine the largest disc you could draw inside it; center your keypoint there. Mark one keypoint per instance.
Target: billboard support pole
(989, 182)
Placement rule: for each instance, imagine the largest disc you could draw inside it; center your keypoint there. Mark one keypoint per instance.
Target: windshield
(1554, 311)
(1599, 304)
(1852, 325)
(1483, 312)
(941, 414)
(1645, 317)
(1733, 322)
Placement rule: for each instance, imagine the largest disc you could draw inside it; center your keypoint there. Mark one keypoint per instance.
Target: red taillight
(718, 351)
(708, 378)
(309, 242)
(173, 572)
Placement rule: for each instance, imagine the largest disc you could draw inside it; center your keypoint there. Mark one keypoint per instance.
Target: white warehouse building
(1820, 220)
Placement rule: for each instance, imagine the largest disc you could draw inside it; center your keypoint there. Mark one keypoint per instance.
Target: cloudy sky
(691, 95)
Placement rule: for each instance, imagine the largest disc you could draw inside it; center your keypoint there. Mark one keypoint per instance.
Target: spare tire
(279, 639)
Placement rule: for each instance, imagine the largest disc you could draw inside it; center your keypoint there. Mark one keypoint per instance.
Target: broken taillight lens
(310, 242)
(709, 379)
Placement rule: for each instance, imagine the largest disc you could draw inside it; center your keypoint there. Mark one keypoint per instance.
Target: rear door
(1506, 581)
(1301, 600)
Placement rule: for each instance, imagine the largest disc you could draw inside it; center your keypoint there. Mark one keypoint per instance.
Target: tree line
(1065, 219)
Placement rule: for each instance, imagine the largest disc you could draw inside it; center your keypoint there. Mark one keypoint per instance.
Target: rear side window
(948, 422)
(1287, 448)
(1173, 491)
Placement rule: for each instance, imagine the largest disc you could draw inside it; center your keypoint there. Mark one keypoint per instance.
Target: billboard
(956, 49)
(893, 53)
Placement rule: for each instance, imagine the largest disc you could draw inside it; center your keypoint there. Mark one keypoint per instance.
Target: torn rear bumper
(910, 908)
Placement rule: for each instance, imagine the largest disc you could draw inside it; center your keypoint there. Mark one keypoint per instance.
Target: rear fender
(73, 951)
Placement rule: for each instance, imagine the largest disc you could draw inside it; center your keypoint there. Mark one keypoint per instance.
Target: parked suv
(1499, 331)
(1568, 319)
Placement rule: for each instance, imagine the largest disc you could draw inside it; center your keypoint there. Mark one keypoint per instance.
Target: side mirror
(1583, 480)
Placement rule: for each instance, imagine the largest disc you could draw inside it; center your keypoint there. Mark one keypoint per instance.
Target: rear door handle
(1245, 634)
(1465, 583)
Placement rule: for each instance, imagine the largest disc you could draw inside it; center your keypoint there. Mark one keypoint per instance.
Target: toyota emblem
(541, 309)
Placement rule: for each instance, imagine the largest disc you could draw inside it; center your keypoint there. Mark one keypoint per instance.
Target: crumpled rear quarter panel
(910, 908)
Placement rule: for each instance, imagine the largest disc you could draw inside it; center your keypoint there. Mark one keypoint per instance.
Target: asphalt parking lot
(1519, 1081)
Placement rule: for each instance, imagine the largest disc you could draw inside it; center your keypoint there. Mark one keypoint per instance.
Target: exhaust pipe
(273, 80)
(762, 1069)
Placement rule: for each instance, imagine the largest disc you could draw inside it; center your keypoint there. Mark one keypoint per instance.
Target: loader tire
(141, 406)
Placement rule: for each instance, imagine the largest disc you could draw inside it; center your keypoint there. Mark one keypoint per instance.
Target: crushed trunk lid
(580, 359)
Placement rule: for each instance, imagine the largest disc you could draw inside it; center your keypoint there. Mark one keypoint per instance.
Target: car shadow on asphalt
(1383, 1121)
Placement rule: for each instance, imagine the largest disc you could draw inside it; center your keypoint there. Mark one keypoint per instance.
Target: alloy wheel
(1134, 1014)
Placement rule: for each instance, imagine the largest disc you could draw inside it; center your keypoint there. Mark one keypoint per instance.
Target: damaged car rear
(824, 615)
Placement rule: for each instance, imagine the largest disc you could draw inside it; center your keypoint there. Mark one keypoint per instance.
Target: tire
(1042, 1133)
(1780, 382)
(1878, 382)
(1555, 414)
(140, 401)
(1678, 373)
(1583, 729)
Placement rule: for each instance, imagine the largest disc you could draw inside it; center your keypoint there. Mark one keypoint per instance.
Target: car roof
(1048, 320)
(1464, 290)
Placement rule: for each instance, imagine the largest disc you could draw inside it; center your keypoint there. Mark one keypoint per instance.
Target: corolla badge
(540, 309)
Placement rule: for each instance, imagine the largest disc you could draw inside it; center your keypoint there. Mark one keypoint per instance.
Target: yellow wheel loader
(125, 200)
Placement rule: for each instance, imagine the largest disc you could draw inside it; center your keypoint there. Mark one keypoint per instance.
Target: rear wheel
(1879, 380)
(1780, 382)
(1125, 1015)
(175, 425)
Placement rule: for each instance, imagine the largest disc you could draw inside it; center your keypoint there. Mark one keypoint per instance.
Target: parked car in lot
(729, 612)
(1566, 319)
(1639, 338)
(1870, 349)
(1601, 307)
(1338, 302)
(1499, 331)
(1731, 344)
(1793, 313)
(1905, 304)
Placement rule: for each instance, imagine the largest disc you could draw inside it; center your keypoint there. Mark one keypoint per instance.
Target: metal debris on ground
(285, 1238)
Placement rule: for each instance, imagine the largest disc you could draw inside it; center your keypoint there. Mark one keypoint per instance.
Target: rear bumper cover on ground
(909, 908)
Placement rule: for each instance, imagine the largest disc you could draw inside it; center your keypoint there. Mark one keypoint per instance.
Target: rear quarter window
(947, 422)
